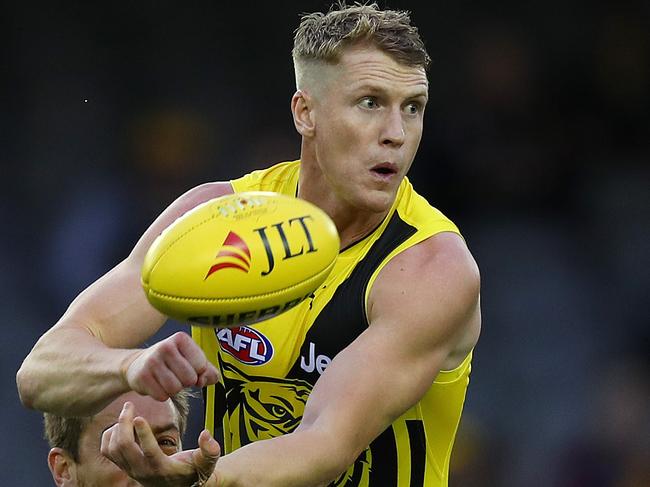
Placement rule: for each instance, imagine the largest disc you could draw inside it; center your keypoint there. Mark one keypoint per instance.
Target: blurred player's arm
(87, 358)
(424, 317)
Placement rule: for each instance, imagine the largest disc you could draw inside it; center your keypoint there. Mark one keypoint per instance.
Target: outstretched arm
(424, 317)
(87, 358)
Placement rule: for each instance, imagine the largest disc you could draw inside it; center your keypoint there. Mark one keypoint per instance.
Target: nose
(393, 133)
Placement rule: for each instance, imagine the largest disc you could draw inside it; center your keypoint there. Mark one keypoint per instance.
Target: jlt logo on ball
(288, 252)
(235, 247)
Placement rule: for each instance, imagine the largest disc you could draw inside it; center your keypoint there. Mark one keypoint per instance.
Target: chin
(378, 201)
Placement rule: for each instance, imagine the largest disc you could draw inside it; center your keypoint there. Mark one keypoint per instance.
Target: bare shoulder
(197, 195)
(207, 191)
(435, 285)
(444, 257)
(184, 203)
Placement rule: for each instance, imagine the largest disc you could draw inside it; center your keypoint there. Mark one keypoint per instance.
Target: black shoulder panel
(344, 318)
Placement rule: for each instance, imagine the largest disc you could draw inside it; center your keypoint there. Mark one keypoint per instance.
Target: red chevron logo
(235, 247)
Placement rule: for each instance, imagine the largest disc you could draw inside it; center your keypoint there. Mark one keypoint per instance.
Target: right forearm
(306, 457)
(70, 372)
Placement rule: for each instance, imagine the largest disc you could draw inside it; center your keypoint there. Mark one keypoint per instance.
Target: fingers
(210, 376)
(145, 380)
(170, 366)
(106, 440)
(185, 364)
(125, 422)
(132, 446)
(199, 462)
(146, 438)
(208, 445)
(168, 381)
(184, 358)
(205, 372)
(118, 442)
(206, 455)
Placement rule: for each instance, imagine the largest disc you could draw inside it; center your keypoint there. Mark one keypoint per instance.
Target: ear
(62, 467)
(303, 115)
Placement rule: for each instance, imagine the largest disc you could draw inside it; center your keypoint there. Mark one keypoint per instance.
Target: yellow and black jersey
(270, 368)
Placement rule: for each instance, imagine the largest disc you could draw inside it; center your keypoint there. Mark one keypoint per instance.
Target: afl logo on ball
(232, 247)
(245, 344)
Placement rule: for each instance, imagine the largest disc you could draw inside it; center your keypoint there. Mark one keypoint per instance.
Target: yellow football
(240, 259)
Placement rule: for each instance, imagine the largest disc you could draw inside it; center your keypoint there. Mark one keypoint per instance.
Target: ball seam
(158, 294)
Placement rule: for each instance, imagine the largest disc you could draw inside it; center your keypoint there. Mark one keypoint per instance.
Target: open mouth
(384, 169)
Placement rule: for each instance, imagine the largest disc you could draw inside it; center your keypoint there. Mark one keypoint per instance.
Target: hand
(132, 446)
(169, 366)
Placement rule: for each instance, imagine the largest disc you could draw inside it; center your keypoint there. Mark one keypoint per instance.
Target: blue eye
(413, 108)
(368, 102)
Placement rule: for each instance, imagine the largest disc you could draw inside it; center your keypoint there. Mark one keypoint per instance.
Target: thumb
(206, 455)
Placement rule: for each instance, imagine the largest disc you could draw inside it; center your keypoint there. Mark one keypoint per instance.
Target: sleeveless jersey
(269, 368)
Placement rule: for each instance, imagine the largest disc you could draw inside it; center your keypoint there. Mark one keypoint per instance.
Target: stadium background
(537, 143)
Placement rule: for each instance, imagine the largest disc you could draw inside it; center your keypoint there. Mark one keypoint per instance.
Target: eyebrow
(374, 88)
(166, 427)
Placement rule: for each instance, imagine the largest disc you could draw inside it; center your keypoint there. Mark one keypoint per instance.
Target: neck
(353, 223)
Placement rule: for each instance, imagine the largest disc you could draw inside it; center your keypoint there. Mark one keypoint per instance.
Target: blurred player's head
(75, 458)
(361, 92)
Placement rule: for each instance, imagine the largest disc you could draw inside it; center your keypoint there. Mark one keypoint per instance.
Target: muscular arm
(424, 316)
(80, 364)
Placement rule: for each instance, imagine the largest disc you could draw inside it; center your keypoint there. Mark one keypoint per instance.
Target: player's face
(368, 125)
(95, 470)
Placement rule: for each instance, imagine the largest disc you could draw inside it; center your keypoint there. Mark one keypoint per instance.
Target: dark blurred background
(537, 143)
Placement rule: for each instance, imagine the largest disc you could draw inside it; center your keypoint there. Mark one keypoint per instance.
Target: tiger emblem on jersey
(260, 408)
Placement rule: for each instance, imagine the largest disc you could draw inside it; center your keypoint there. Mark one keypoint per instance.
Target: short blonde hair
(322, 37)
